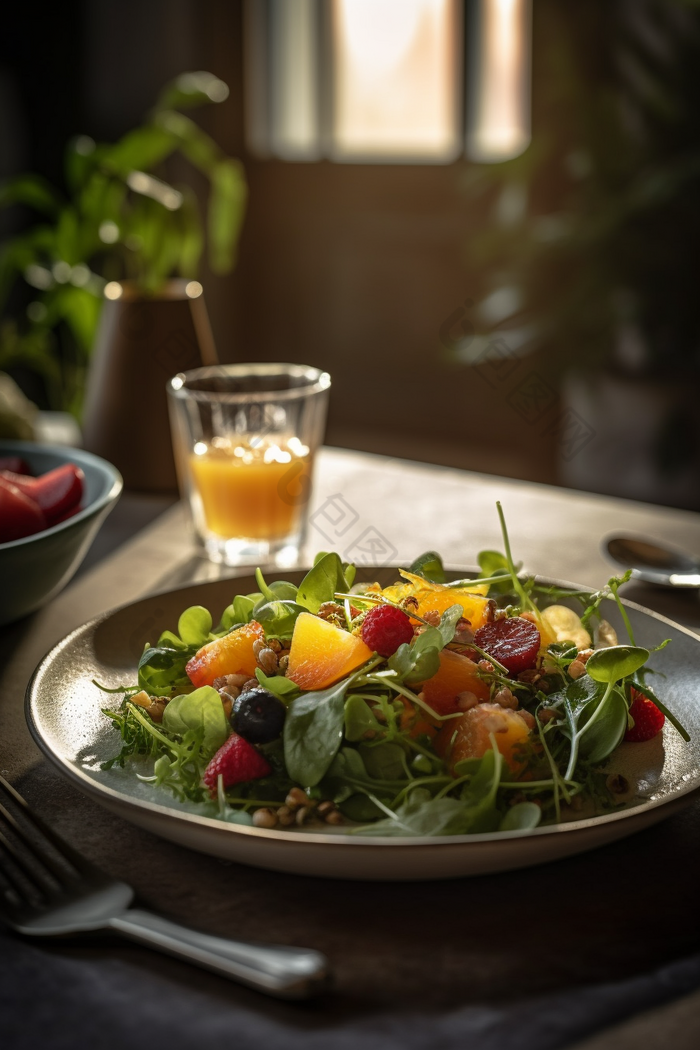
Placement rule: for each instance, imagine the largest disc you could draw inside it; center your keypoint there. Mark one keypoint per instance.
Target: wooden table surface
(378, 510)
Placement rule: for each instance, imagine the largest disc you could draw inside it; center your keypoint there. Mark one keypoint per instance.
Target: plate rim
(314, 839)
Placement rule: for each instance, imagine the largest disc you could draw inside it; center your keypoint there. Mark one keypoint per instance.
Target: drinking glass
(244, 438)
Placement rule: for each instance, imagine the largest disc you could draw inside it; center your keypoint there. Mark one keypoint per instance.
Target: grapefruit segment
(232, 654)
(322, 653)
(457, 674)
(469, 736)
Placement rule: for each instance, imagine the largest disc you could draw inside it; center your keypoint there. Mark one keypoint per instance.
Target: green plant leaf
(139, 150)
(616, 662)
(359, 719)
(32, 190)
(194, 625)
(521, 817)
(430, 567)
(161, 670)
(607, 731)
(384, 761)
(199, 710)
(282, 687)
(225, 214)
(321, 583)
(313, 732)
(277, 618)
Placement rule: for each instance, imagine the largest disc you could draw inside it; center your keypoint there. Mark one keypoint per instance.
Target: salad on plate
(429, 707)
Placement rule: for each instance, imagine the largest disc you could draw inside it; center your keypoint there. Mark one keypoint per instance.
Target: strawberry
(648, 720)
(385, 628)
(236, 761)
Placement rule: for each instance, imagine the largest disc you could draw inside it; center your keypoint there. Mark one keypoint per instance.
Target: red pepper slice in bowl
(55, 492)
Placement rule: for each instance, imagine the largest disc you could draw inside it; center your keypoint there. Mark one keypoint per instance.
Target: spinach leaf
(199, 710)
(430, 567)
(347, 775)
(277, 618)
(384, 761)
(194, 625)
(278, 590)
(278, 684)
(359, 720)
(321, 583)
(607, 731)
(521, 817)
(239, 611)
(313, 731)
(615, 662)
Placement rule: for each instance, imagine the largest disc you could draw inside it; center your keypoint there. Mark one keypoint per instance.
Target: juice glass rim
(317, 381)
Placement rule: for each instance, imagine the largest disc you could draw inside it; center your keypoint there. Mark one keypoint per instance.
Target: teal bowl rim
(65, 454)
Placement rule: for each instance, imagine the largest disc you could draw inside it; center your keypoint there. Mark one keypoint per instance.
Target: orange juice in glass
(244, 438)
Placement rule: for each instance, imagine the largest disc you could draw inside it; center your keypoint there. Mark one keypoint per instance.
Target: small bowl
(34, 569)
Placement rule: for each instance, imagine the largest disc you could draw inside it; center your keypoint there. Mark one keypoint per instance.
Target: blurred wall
(375, 272)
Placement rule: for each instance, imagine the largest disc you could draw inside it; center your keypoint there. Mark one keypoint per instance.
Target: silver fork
(48, 890)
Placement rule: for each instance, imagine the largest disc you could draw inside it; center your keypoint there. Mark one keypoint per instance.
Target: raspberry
(385, 628)
(648, 720)
(236, 761)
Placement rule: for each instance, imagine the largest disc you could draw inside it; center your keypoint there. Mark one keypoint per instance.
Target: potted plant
(105, 284)
(585, 246)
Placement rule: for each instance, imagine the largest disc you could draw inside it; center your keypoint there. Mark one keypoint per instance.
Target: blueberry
(258, 716)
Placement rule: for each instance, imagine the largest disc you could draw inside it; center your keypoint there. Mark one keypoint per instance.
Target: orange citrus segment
(457, 674)
(469, 736)
(322, 653)
(232, 654)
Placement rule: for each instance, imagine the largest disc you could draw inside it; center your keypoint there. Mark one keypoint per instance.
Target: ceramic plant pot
(143, 341)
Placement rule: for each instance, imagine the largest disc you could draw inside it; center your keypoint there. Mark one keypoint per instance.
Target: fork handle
(288, 973)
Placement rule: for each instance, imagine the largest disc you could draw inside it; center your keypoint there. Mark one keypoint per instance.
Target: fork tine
(19, 886)
(80, 865)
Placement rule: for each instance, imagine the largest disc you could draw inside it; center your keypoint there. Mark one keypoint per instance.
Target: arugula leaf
(161, 670)
(199, 710)
(475, 812)
(430, 567)
(313, 731)
(321, 583)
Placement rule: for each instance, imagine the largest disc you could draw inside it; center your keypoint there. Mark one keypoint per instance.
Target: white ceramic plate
(64, 715)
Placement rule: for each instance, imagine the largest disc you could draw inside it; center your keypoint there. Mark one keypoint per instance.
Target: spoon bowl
(653, 562)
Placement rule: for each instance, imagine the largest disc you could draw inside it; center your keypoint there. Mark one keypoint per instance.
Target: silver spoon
(652, 562)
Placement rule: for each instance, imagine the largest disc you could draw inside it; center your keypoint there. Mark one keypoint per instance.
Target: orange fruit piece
(437, 597)
(232, 654)
(321, 653)
(469, 736)
(457, 674)
(474, 606)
